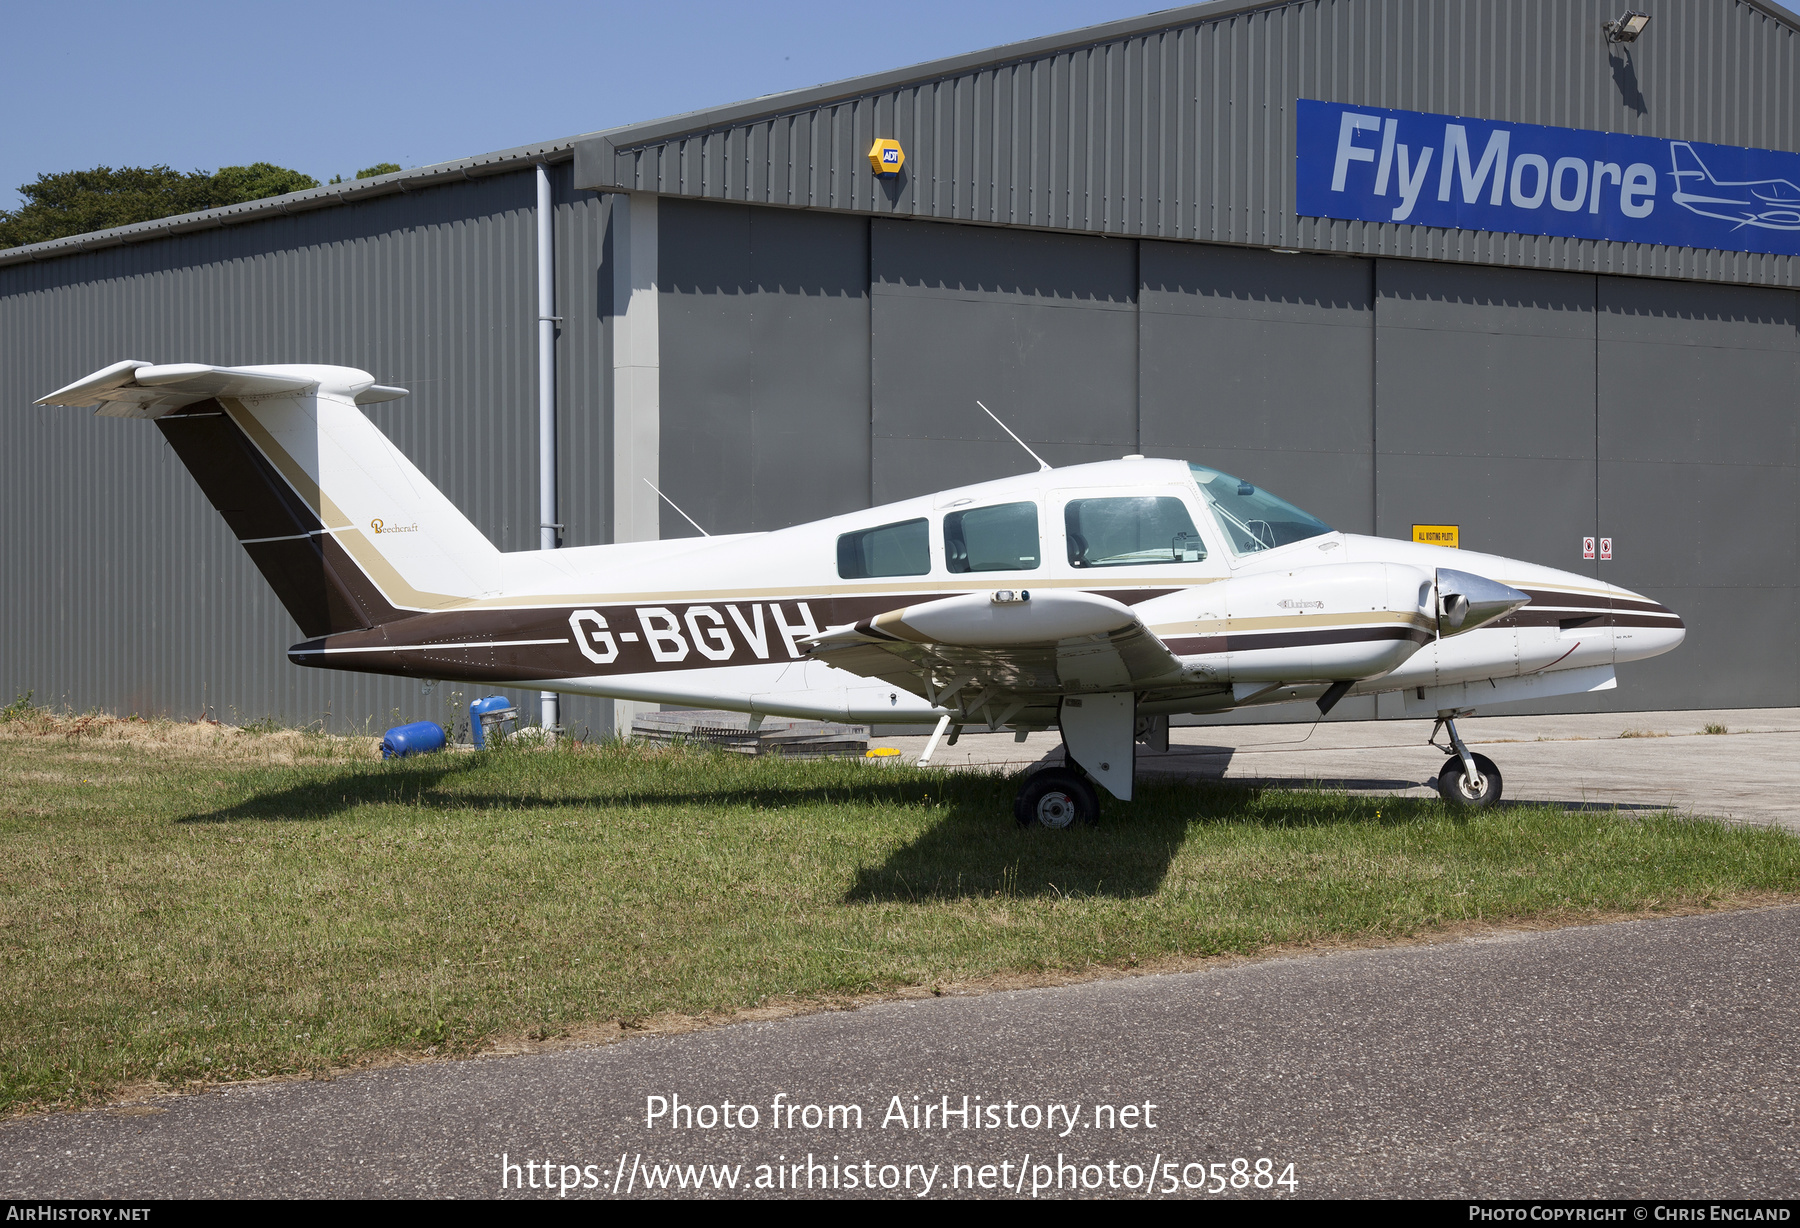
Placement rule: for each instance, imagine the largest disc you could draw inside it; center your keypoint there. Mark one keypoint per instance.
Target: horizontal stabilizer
(136, 389)
(98, 386)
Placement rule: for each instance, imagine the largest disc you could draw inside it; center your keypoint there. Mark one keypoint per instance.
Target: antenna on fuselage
(1042, 466)
(677, 507)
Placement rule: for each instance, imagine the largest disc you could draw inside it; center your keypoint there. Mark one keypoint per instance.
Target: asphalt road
(1651, 1058)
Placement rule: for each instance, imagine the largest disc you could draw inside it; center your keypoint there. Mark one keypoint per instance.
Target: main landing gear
(1057, 797)
(1465, 779)
(1100, 735)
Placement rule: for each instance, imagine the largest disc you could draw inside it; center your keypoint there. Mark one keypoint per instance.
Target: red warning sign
(1587, 547)
(1606, 547)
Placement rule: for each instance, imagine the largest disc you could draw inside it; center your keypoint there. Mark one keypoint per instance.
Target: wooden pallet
(731, 731)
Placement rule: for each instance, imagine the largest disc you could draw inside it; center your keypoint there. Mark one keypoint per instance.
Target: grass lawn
(182, 903)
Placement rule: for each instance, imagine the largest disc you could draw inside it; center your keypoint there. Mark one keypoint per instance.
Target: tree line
(78, 202)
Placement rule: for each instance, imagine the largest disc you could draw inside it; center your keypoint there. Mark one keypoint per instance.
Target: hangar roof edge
(658, 130)
(654, 131)
(768, 106)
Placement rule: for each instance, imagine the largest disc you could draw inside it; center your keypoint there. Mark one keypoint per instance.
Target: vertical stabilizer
(343, 526)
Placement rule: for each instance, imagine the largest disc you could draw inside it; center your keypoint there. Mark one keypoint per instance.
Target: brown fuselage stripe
(480, 645)
(1570, 611)
(1571, 619)
(1589, 601)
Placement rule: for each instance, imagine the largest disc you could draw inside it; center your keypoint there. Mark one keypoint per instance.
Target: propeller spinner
(1467, 601)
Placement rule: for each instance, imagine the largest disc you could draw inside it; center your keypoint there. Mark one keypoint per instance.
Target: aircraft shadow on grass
(965, 855)
(325, 798)
(424, 785)
(1126, 856)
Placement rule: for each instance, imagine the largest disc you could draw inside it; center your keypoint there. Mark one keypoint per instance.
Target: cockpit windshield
(1254, 519)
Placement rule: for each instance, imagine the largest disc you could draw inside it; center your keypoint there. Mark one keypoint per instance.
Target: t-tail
(346, 530)
(1690, 173)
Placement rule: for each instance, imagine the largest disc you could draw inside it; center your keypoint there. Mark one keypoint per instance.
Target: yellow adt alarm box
(886, 157)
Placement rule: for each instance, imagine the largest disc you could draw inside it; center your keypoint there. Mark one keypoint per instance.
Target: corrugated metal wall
(765, 365)
(1187, 132)
(1042, 328)
(124, 588)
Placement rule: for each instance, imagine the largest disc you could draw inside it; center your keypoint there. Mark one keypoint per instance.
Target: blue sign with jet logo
(1376, 165)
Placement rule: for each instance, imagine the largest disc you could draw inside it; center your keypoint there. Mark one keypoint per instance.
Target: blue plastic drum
(418, 738)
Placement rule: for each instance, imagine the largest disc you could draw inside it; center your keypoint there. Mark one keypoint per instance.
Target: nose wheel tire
(1454, 785)
(1056, 798)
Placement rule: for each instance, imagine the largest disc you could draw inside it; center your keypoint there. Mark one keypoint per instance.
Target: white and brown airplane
(1096, 599)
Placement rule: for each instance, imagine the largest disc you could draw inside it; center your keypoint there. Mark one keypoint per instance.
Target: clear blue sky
(328, 86)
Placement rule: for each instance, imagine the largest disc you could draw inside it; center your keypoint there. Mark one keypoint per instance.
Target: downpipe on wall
(549, 710)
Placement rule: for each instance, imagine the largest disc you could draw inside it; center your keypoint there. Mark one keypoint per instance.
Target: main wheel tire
(1454, 786)
(1056, 798)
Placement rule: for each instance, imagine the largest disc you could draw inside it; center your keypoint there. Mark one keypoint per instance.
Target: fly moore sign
(1418, 169)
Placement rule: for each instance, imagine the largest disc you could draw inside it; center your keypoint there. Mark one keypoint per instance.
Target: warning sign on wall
(1439, 535)
(1606, 547)
(1587, 547)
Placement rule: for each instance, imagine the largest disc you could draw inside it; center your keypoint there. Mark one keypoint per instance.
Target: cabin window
(1254, 519)
(902, 549)
(1002, 538)
(1132, 532)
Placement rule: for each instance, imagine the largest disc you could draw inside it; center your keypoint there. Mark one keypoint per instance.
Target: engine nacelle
(1339, 622)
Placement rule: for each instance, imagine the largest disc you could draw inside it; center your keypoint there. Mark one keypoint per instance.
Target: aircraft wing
(990, 656)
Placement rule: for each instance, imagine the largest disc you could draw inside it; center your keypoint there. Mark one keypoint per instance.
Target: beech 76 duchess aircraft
(1097, 599)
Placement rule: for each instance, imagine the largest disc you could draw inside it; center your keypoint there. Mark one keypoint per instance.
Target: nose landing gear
(1465, 779)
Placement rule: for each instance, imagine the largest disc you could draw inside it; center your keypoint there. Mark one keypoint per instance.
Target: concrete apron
(1749, 775)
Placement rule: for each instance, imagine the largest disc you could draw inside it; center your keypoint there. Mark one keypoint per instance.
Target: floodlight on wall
(1627, 28)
